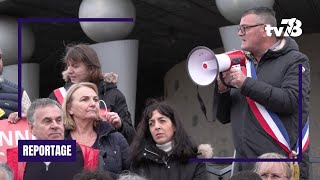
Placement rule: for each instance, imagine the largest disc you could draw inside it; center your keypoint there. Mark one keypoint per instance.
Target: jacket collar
(103, 128)
(152, 152)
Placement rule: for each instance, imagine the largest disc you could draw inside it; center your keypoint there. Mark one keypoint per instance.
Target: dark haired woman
(161, 149)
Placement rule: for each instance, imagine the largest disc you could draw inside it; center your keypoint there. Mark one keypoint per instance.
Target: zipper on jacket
(163, 158)
(152, 152)
(166, 161)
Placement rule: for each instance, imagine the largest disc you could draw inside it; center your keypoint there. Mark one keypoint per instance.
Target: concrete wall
(181, 91)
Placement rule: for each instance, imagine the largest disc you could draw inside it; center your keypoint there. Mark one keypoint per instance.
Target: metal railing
(219, 169)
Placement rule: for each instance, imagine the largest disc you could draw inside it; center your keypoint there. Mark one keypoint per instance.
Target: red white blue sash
(271, 123)
(60, 93)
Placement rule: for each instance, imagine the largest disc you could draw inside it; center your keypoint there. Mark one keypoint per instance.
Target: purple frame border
(27, 20)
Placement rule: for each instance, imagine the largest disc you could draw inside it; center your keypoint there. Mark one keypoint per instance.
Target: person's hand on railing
(14, 118)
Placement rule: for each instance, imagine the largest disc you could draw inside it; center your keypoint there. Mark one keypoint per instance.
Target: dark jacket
(115, 147)
(86, 158)
(276, 89)
(155, 164)
(8, 98)
(116, 102)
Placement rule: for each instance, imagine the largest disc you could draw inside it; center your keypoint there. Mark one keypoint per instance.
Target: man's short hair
(40, 103)
(265, 14)
(8, 174)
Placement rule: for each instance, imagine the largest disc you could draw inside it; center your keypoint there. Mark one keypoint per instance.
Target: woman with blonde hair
(83, 123)
(275, 170)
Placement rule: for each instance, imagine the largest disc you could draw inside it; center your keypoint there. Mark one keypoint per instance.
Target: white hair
(127, 175)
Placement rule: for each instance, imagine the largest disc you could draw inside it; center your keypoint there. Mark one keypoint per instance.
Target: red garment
(90, 158)
(15, 166)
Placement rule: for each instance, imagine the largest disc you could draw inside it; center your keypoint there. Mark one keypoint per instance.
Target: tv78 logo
(293, 28)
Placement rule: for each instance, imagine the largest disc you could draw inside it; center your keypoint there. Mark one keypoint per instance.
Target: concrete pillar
(121, 57)
(9, 46)
(30, 77)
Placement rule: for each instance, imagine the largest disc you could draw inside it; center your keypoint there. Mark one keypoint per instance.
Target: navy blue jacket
(8, 98)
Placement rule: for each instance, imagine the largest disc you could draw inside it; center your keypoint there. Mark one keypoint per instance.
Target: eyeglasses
(244, 28)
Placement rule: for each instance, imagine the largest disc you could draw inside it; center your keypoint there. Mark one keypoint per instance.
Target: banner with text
(11, 133)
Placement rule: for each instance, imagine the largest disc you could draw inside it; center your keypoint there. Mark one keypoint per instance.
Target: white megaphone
(204, 65)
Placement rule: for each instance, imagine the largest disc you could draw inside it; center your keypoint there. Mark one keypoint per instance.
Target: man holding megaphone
(263, 108)
(258, 91)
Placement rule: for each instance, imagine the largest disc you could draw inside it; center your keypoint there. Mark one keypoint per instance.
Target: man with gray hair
(9, 97)
(45, 119)
(5, 172)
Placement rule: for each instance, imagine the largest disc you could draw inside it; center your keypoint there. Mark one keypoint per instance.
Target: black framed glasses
(244, 28)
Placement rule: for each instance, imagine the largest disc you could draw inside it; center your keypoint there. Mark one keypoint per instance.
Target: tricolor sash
(272, 124)
(60, 93)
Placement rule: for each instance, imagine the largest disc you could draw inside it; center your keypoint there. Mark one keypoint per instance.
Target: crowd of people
(160, 148)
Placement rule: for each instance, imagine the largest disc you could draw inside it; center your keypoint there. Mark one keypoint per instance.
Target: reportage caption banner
(31, 150)
(46, 150)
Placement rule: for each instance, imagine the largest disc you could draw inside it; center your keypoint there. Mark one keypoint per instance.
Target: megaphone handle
(224, 83)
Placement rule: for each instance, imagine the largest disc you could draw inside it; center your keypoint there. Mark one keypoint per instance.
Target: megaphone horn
(203, 65)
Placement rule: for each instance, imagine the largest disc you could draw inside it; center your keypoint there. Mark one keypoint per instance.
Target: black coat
(8, 98)
(56, 170)
(116, 102)
(155, 164)
(276, 88)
